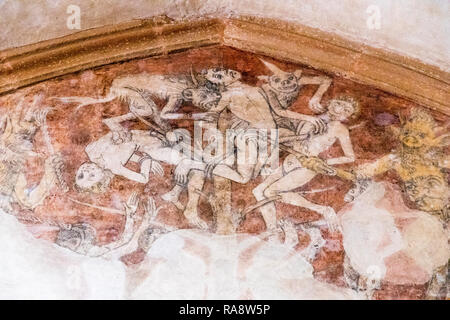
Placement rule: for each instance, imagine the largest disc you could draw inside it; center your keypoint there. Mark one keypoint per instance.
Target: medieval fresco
(219, 174)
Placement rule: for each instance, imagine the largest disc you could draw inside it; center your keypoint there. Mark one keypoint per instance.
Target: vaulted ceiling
(414, 28)
(403, 76)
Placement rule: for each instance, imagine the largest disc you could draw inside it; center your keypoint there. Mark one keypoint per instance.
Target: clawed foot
(290, 232)
(194, 220)
(271, 236)
(368, 286)
(316, 242)
(173, 198)
(198, 223)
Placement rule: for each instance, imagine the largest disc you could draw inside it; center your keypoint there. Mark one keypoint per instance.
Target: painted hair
(355, 104)
(99, 187)
(77, 237)
(146, 238)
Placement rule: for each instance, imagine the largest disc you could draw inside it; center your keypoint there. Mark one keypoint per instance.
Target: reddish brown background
(71, 131)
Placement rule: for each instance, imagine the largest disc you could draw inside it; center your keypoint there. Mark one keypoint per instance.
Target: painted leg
(246, 161)
(327, 212)
(173, 196)
(222, 206)
(437, 288)
(293, 180)
(268, 211)
(195, 186)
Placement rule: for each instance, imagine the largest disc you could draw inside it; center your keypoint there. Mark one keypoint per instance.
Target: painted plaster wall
(382, 231)
(416, 28)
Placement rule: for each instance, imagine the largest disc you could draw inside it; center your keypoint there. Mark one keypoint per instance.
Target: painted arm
(130, 209)
(213, 114)
(279, 110)
(114, 124)
(129, 243)
(377, 167)
(110, 250)
(172, 105)
(141, 177)
(292, 138)
(126, 235)
(324, 83)
(290, 233)
(346, 145)
(274, 103)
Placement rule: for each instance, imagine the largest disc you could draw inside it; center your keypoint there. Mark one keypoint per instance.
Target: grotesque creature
(282, 88)
(286, 86)
(419, 161)
(137, 234)
(250, 109)
(81, 237)
(137, 91)
(17, 132)
(296, 172)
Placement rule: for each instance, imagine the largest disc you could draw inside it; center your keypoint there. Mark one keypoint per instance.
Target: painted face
(79, 238)
(414, 136)
(340, 110)
(70, 241)
(222, 76)
(21, 139)
(430, 193)
(284, 82)
(202, 97)
(88, 175)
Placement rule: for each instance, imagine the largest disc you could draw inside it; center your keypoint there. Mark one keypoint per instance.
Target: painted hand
(181, 172)
(318, 165)
(151, 211)
(121, 136)
(332, 220)
(210, 117)
(40, 116)
(290, 232)
(316, 106)
(305, 129)
(319, 126)
(131, 205)
(156, 168)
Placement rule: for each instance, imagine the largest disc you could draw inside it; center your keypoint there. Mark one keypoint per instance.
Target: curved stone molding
(95, 47)
(406, 77)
